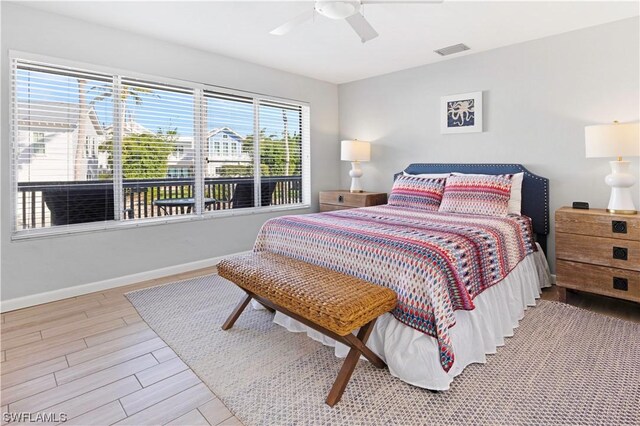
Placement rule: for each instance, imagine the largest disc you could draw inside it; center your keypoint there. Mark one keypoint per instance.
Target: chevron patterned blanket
(435, 262)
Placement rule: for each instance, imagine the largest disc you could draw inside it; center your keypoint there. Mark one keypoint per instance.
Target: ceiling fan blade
(288, 26)
(362, 27)
(399, 1)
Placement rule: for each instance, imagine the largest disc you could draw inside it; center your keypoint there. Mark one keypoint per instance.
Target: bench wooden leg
(350, 364)
(236, 313)
(268, 308)
(364, 350)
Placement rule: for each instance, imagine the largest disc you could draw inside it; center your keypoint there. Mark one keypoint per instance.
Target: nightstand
(340, 200)
(598, 252)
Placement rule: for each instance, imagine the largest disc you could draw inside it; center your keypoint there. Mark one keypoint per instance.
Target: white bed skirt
(413, 356)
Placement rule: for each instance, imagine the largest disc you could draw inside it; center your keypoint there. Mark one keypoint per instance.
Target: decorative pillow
(477, 194)
(515, 199)
(417, 193)
(428, 175)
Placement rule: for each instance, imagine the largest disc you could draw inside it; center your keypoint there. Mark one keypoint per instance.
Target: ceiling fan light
(337, 9)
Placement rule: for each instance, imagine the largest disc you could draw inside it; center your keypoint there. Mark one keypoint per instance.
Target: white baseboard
(65, 293)
(553, 278)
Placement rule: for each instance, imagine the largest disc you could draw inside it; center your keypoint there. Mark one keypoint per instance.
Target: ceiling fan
(349, 10)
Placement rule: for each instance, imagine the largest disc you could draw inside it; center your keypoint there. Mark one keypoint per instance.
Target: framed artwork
(461, 113)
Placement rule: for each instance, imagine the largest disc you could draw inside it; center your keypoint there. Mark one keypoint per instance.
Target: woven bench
(332, 303)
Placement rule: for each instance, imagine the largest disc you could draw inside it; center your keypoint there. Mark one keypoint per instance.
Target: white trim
(107, 69)
(118, 122)
(553, 279)
(199, 125)
(13, 132)
(65, 293)
(257, 142)
(100, 226)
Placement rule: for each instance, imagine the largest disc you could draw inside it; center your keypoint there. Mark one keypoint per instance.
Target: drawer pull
(620, 253)
(619, 226)
(340, 199)
(620, 283)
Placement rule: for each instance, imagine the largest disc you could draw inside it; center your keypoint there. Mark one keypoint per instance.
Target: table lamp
(355, 151)
(615, 140)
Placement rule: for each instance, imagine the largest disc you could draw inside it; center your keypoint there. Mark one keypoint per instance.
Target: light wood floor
(93, 358)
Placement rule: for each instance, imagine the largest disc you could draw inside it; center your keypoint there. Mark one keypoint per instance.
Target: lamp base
(355, 173)
(620, 181)
(613, 211)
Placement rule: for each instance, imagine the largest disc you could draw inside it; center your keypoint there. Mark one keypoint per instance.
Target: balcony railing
(45, 204)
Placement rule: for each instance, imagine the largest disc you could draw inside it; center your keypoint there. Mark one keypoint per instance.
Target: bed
(463, 281)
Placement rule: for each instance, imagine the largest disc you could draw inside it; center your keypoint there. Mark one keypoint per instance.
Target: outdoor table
(165, 203)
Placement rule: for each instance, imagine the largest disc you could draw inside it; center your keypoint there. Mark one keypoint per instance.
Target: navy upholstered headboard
(535, 189)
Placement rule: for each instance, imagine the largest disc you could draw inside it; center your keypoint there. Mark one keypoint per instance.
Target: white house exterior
(181, 161)
(224, 147)
(47, 140)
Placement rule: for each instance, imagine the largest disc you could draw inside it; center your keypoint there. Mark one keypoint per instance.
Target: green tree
(128, 92)
(277, 156)
(144, 155)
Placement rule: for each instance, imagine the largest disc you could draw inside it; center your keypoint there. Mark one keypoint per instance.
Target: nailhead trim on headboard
(540, 191)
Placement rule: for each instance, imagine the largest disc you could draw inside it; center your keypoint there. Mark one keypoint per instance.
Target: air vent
(450, 50)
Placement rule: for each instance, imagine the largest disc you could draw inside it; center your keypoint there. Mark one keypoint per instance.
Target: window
(37, 143)
(130, 149)
(281, 148)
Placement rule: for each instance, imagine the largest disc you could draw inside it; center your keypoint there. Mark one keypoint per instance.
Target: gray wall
(538, 96)
(35, 266)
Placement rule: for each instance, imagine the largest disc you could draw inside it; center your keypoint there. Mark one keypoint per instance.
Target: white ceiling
(330, 50)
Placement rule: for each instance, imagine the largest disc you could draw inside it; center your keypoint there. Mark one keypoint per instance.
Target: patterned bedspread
(435, 262)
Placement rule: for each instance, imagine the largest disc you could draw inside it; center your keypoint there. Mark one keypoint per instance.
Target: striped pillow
(477, 194)
(417, 193)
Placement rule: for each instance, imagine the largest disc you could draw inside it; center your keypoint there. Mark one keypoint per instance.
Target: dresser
(340, 200)
(598, 252)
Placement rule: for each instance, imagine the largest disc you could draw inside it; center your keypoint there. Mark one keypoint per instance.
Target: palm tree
(286, 142)
(80, 166)
(128, 92)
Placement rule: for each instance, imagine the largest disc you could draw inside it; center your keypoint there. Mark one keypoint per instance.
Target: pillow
(429, 175)
(515, 198)
(417, 193)
(477, 194)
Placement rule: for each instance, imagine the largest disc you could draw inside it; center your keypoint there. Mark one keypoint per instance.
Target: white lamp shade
(355, 150)
(612, 140)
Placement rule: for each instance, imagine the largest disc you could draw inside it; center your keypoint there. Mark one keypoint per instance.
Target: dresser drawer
(624, 254)
(332, 207)
(349, 199)
(599, 279)
(598, 223)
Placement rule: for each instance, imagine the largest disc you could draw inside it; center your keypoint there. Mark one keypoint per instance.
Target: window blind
(280, 127)
(230, 150)
(59, 169)
(158, 149)
(93, 150)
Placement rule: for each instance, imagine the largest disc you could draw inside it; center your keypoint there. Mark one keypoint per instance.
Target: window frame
(200, 142)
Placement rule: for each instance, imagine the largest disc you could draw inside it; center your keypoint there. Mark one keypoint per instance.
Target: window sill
(58, 231)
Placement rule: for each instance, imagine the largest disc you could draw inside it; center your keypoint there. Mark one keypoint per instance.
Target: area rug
(564, 366)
